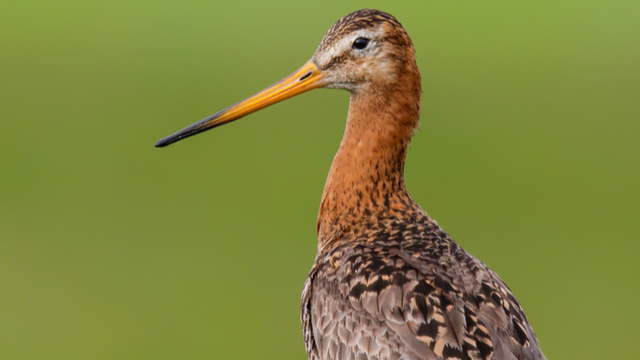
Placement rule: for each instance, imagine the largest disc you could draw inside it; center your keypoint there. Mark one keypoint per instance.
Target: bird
(387, 281)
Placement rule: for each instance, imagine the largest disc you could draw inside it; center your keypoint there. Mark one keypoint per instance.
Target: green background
(111, 249)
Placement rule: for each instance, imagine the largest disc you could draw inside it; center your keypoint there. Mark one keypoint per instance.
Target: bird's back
(404, 289)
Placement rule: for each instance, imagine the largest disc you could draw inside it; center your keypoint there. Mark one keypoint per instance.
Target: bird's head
(365, 51)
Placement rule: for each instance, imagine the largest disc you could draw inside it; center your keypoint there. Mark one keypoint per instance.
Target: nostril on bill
(306, 75)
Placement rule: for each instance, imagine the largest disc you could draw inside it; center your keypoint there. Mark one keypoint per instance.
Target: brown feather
(388, 282)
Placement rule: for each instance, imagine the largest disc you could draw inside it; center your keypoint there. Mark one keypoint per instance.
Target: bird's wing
(418, 304)
(481, 313)
(456, 309)
(305, 316)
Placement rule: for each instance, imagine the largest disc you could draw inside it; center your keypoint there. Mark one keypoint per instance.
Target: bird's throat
(366, 180)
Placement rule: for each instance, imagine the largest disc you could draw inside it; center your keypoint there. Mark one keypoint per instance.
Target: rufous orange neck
(366, 181)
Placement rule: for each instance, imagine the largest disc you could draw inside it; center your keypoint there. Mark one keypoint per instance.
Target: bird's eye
(360, 43)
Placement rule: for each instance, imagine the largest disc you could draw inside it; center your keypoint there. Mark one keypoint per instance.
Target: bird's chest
(351, 292)
(361, 295)
(343, 329)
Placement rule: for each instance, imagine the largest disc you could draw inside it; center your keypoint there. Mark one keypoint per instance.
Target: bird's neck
(365, 184)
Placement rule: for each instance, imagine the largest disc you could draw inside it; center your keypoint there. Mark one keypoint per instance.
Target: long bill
(304, 79)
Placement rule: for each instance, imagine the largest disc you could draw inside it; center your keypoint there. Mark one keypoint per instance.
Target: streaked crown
(365, 47)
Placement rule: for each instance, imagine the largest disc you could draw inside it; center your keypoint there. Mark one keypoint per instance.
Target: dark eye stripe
(360, 43)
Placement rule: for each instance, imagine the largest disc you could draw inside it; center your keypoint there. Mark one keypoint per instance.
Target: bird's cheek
(382, 70)
(341, 80)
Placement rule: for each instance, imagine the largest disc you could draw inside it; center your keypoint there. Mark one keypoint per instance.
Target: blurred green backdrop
(112, 249)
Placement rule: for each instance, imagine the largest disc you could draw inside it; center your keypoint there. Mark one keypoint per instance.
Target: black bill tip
(200, 126)
(205, 124)
(174, 138)
(171, 139)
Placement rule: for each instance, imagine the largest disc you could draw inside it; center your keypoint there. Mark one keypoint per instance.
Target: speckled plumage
(401, 288)
(387, 283)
